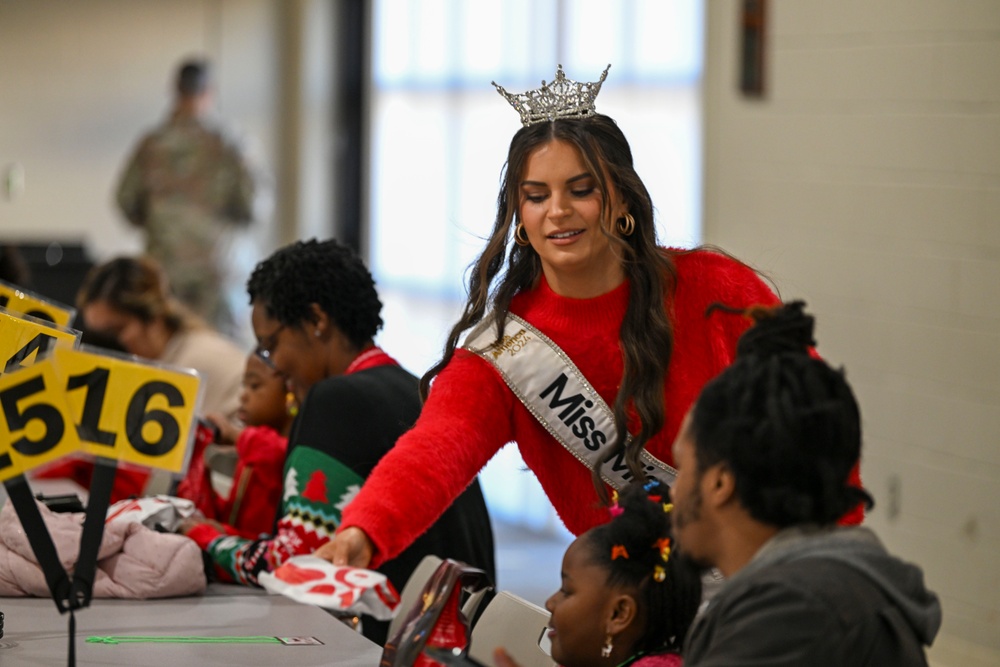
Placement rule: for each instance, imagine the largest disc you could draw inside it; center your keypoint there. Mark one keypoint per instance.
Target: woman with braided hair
(585, 342)
(627, 596)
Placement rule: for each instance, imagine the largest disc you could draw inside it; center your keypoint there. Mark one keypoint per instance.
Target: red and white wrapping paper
(351, 590)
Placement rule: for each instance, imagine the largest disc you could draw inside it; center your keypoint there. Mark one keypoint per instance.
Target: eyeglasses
(264, 350)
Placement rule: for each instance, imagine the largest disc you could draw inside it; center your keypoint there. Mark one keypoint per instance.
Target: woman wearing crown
(583, 341)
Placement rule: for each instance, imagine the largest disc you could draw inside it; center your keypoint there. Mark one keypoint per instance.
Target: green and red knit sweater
(346, 424)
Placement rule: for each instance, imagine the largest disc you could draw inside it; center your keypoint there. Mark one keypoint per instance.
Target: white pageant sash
(554, 390)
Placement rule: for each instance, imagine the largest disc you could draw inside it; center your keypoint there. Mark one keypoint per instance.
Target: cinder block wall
(867, 182)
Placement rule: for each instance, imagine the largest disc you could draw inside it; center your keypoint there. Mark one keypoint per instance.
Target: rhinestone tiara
(563, 98)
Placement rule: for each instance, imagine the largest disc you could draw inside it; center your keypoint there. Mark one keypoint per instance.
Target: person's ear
(622, 613)
(719, 485)
(319, 319)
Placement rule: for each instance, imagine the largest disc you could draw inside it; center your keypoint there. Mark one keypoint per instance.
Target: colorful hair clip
(614, 510)
(659, 573)
(663, 545)
(618, 551)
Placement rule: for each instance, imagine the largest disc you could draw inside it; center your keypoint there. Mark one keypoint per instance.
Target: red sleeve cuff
(855, 516)
(203, 534)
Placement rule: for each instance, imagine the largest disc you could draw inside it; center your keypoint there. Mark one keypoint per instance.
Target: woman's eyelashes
(538, 198)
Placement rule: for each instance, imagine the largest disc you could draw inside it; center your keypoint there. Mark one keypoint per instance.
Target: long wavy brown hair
(505, 268)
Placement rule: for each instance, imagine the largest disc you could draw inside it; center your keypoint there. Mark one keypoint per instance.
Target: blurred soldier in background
(190, 187)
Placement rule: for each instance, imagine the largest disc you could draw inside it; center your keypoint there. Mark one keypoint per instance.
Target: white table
(35, 633)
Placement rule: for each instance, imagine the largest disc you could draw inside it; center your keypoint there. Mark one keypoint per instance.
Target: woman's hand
(502, 659)
(350, 546)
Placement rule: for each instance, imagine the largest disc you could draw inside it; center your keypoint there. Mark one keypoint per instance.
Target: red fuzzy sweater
(470, 413)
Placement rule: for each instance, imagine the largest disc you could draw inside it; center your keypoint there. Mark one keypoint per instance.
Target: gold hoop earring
(626, 225)
(520, 237)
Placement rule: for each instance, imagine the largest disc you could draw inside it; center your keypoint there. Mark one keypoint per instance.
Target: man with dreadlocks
(764, 458)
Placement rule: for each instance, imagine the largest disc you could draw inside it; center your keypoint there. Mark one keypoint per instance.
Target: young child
(626, 597)
(267, 411)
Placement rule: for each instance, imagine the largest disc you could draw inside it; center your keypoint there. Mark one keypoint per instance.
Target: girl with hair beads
(626, 598)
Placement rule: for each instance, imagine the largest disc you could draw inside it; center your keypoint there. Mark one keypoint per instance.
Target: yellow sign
(24, 341)
(17, 300)
(102, 405)
(128, 410)
(35, 423)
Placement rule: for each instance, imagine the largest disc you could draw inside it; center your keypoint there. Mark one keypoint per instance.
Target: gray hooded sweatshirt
(818, 597)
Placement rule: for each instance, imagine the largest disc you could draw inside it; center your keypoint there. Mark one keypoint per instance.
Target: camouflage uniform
(189, 187)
